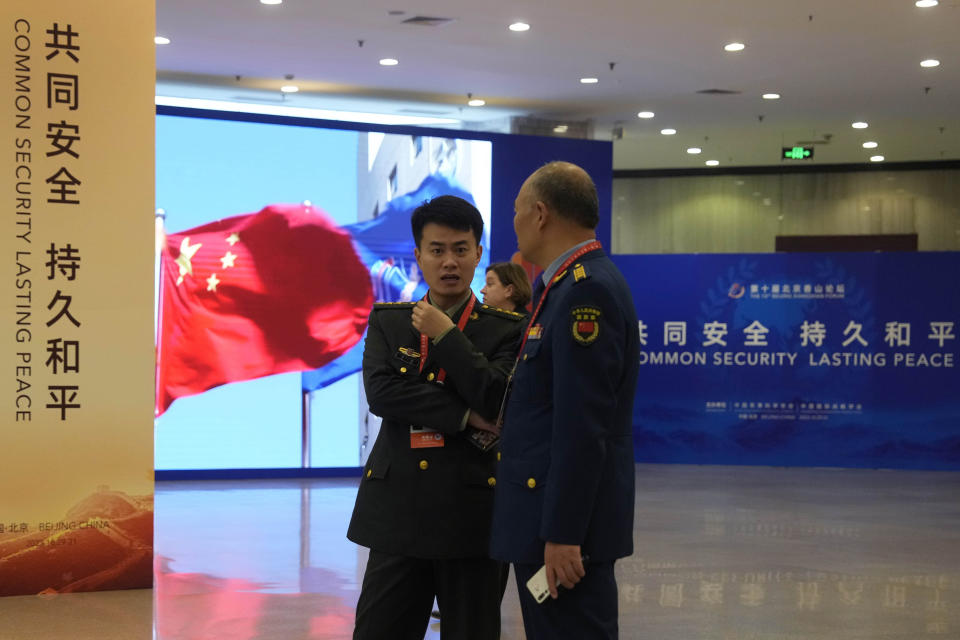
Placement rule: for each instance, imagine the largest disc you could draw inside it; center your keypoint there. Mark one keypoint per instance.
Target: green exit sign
(797, 153)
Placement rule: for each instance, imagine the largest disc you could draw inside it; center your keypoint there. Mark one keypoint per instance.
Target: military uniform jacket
(433, 502)
(567, 469)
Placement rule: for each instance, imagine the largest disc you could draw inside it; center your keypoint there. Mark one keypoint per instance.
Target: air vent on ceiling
(428, 21)
(271, 99)
(719, 92)
(424, 112)
(825, 140)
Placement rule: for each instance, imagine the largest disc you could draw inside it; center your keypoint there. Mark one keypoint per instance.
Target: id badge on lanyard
(424, 438)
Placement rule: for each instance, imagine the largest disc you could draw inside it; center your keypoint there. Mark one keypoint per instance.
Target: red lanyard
(425, 341)
(543, 297)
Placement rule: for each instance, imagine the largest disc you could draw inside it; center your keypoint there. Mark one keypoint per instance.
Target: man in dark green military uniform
(436, 371)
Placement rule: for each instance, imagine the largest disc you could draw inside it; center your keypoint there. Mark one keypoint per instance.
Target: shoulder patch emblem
(585, 324)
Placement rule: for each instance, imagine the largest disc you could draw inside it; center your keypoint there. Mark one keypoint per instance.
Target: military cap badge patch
(585, 324)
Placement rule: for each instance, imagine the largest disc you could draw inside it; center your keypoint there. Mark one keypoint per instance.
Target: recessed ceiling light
(930, 63)
(859, 125)
(519, 26)
(289, 88)
(926, 4)
(694, 150)
(476, 102)
(734, 46)
(589, 80)
(271, 1)
(645, 114)
(870, 145)
(560, 128)
(712, 163)
(876, 158)
(668, 132)
(389, 62)
(161, 40)
(771, 96)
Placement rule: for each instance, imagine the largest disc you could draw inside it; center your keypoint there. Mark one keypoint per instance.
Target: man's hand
(476, 420)
(429, 320)
(564, 566)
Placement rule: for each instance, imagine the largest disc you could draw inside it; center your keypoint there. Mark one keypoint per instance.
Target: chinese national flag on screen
(270, 292)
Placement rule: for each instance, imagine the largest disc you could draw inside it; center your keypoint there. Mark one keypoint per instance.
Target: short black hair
(569, 190)
(446, 211)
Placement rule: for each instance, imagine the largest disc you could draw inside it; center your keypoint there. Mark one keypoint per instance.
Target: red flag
(257, 294)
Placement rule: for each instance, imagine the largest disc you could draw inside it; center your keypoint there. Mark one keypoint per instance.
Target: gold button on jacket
(531, 483)
(424, 465)
(492, 481)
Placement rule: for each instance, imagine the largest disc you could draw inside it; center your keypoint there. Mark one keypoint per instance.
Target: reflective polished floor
(722, 553)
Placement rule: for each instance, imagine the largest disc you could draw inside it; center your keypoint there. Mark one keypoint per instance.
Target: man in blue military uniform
(565, 484)
(436, 371)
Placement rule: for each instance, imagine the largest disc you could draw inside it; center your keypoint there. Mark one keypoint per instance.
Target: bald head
(568, 190)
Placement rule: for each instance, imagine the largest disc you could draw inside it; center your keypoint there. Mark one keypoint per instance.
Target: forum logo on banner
(798, 359)
(76, 466)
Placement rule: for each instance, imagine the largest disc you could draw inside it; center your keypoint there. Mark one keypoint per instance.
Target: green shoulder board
(380, 306)
(503, 313)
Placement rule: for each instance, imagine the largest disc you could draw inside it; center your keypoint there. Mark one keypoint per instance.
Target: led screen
(364, 183)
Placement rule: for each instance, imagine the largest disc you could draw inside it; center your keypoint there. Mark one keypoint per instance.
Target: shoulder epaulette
(579, 273)
(379, 306)
(503, 313)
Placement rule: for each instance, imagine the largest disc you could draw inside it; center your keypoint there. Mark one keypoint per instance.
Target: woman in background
(507, 287)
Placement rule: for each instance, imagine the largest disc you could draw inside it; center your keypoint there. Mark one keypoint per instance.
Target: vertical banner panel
(844, 359)
(76, 462)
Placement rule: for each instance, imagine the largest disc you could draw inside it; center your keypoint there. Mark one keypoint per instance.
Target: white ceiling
(833, 62)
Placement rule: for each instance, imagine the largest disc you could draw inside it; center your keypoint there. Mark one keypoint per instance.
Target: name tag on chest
(423, 438)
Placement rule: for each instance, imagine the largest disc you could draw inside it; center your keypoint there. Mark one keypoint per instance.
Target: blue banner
(827, 359)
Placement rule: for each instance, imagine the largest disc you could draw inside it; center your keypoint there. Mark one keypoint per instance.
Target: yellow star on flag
(227, 260)
(187, 251)
(212, 282)
(233, 239)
